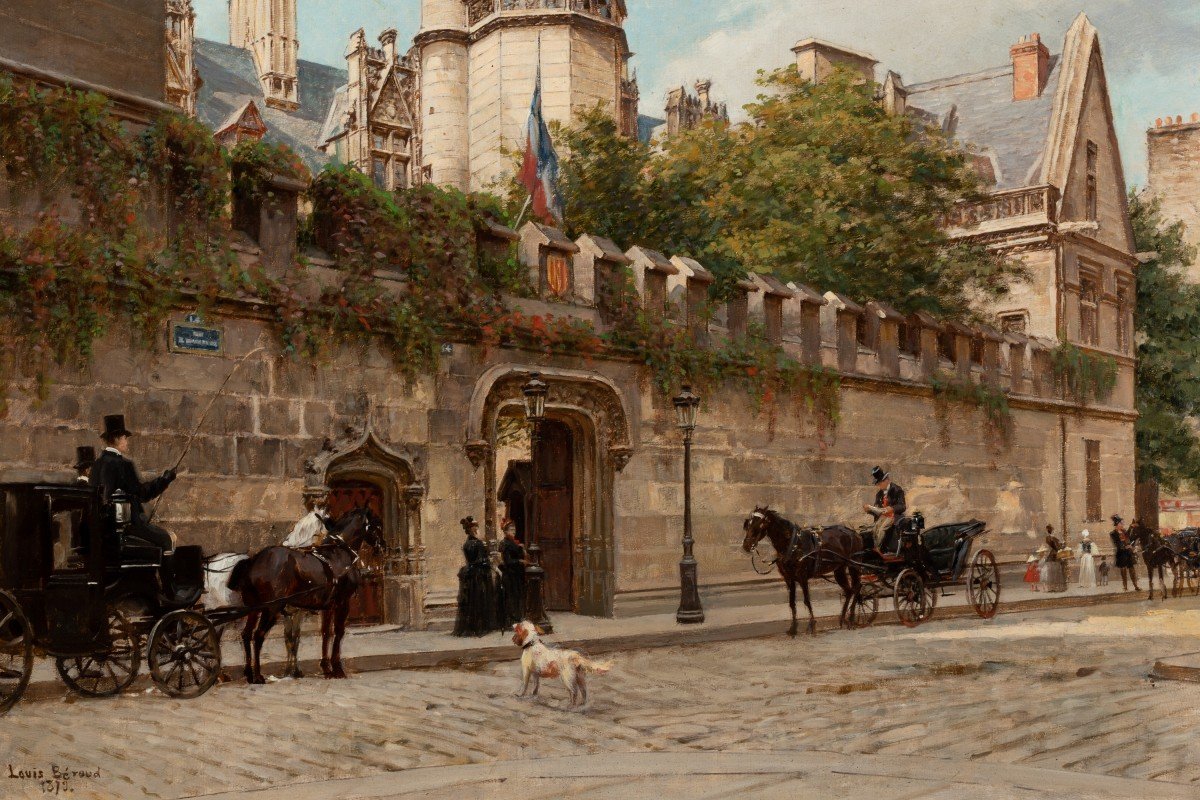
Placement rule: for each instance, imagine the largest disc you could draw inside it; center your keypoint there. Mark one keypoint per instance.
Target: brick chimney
(1031, 67)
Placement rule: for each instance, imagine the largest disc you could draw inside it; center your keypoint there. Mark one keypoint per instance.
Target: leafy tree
(1168, 353)
(821, 185)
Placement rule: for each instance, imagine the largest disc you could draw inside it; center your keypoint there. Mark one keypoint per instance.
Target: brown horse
(321, 580)
(1156, 554)
(804, 554)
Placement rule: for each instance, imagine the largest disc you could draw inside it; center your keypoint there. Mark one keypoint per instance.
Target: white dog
(539, 661)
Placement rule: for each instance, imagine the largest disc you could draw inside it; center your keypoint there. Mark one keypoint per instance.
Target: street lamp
(690, 610)
(535, 411)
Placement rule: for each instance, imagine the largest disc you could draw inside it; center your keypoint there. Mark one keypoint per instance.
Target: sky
(1150, 47)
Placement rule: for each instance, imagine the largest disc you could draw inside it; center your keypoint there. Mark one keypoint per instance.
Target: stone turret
(267, 28)
(445, 87)
(183, 81)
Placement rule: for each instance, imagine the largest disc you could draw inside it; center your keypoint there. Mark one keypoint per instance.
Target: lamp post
(690, 611)
(535, 411)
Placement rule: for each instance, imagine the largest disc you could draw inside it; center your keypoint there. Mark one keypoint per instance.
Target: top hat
(878, 475)
(1116, 519)
(85, 456)
(114, 426)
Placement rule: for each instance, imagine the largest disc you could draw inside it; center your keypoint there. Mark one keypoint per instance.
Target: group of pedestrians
(491, 596)
(1048, 570)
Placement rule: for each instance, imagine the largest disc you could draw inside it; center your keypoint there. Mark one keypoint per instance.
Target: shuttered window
(1092, 449)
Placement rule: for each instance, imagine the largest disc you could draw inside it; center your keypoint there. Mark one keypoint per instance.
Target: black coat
(113, 471)
(1124, 553)
(512, 581)
(895, 499)
(479, 611)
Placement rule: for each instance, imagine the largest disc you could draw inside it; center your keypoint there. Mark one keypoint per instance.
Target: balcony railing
(481, 9)
(1010, 204)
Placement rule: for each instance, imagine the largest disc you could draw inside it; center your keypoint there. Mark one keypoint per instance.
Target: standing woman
(1087, 562)
(1053, 576)
(512, 575)
(476, 588)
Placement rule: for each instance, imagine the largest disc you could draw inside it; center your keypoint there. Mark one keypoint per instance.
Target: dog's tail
(595, 667)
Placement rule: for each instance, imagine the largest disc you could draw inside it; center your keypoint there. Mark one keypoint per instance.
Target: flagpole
(521, 216)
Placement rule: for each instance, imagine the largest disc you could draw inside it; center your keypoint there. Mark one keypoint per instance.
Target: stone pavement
(990, 705)
(384, 648)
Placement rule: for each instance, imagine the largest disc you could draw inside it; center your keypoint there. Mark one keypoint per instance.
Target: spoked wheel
(865, 606)
(185, 654)
(931, 597)
(113, 671)
(911, 598)
(16, 652)
(983, 585)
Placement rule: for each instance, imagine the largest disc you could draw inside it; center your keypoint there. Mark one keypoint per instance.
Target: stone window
(1092, 472)
(1089, 303)
(379, 171)
(1014, 322)
(946, 348)
(1092, 159)
(1124, 316)
(910, 338)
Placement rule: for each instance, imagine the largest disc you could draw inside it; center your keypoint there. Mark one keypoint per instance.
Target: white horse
(217, 594)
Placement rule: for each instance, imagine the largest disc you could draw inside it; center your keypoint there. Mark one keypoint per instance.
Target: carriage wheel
(16, 651)
(185, 654)
(865, 606)
(983, 586)
(910, 598)
(114, 670)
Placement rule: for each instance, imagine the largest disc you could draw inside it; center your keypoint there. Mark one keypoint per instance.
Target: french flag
(539, 173)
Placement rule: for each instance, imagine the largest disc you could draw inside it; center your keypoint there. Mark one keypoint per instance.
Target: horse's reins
(793, 542)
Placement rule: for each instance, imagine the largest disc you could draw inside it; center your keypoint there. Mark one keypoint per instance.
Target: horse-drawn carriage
(75, 587)
(926, 564)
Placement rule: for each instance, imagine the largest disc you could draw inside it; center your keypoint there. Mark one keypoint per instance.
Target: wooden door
(366, 607)
(556, 512)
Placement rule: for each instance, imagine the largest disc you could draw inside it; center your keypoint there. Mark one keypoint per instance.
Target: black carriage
(1185, 544)
(76, 586)
(925, 564)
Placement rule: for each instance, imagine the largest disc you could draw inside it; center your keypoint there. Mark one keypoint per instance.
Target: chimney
(702, 89)
(388, 40)
(1031, 67)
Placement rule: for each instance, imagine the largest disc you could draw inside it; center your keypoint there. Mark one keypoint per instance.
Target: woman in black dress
(512, 575)
(476, 587)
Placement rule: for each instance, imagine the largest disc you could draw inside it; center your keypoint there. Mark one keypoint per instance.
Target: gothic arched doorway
(585, 440)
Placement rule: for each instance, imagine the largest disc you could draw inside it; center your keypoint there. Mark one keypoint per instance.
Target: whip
(188, 445)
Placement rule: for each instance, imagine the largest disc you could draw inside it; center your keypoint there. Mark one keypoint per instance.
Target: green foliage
(991, 401)
(1168, 352)
(254, 163)
(821, 186)
(93, 255)
(1085, 377)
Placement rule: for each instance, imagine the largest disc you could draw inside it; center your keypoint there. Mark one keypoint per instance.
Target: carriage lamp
(686, 406)
(122, 507)
(535, 398)
(535, 392)
(690, 611)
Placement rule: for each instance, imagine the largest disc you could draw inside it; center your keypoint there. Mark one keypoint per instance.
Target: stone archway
(361, 456)
(595, 410)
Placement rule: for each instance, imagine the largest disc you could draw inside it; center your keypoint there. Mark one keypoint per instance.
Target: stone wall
(112, 43)
(1174, 179)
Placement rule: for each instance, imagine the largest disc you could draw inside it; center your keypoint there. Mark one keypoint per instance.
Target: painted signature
(57, 779)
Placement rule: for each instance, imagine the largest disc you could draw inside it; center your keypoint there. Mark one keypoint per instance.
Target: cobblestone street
(1063, 690)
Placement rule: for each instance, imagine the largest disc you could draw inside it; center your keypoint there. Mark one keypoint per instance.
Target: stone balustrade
(1037, 204)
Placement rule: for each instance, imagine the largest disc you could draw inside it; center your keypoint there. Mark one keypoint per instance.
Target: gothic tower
(479, 61)
(267, 28)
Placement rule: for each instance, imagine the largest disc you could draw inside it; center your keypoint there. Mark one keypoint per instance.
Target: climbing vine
(1082, 376)
(991, 401)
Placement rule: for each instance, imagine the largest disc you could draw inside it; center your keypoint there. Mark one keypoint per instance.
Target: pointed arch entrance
(586, 441)
(361, 469)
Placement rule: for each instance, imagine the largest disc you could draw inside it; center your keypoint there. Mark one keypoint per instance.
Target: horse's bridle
(793, 542)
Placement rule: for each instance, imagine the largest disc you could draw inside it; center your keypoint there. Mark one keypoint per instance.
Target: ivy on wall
(1084, 377)
(990, 401)
(129, 225)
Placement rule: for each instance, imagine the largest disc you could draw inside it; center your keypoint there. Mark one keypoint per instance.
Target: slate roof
(231, 80)
(979, 111)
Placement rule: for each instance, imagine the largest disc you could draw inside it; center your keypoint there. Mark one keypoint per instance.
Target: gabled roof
(978, 110)
(231, 79)
(248, 117)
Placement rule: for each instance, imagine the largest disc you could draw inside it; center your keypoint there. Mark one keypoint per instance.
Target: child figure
(1033, 573)
(1102, 570)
